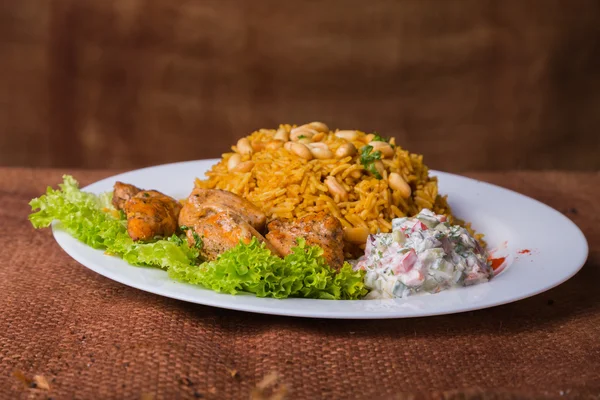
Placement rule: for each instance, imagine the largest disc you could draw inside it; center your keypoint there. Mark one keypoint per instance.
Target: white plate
(510, 221)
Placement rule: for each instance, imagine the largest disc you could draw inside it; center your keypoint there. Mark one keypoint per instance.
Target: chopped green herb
(198, 243)
(176, 239)
(455, 232)
(146, 194)
(368, 158)
(301, 137)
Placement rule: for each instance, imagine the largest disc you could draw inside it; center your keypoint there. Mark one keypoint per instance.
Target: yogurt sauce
(423, 254)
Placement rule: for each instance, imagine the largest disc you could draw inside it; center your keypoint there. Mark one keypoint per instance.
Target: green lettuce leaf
(92, 220)
(253, 268)
(245, 268)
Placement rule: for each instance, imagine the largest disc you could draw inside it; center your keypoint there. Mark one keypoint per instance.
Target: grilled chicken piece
(200, 198)
(151, 214)
(220, 229)
(317, 229)
(123, 192)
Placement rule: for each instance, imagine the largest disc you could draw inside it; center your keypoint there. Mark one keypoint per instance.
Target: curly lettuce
(246, 268)
(92, 219)
(253, 268)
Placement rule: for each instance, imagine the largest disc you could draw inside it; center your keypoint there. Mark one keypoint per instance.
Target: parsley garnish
(368, 158)
(197, 241)
(378, 138)
(301, 137)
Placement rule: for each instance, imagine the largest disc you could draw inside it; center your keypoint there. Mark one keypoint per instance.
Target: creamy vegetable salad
(424, 254)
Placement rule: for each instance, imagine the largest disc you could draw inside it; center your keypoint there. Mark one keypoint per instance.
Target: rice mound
(285, 185)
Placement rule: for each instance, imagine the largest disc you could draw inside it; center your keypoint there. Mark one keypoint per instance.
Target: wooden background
(471, 84)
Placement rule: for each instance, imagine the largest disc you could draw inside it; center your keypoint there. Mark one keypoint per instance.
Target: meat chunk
(317, 229)
(200, 198)
(151, 214)
(123, 192)
(220, 230)
(221, 220)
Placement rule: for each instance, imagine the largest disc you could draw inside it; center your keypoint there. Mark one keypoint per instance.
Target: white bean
(318, 137)
(233, 161)
(318, 126)
(319, 145)
(348, 135)
(244, 147)
(397, 183)
(385, 149)
(380, 167)
(345, 150)
(335, 188)
(245, 166)
(302, 132)
(282, 135)
(301, 151)
(321, 153)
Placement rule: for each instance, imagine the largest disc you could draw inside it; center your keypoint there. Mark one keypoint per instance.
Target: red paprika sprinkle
(524, 251)
(497, 262)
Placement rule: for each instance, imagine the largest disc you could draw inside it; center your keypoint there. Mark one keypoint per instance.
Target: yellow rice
(285, 185)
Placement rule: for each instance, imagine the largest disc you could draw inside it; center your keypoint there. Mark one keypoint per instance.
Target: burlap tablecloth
(91, 338)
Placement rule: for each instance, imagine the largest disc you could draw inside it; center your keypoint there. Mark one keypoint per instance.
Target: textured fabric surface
(92, 338)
